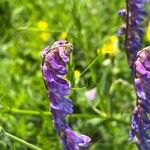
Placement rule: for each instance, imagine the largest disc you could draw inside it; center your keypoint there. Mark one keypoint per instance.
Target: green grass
(24, 106)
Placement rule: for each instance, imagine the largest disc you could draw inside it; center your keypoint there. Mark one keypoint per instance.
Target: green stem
(89, 66)
(31, 146)
(26, 112)
(39, 30)
(89, 116)
(127, 31)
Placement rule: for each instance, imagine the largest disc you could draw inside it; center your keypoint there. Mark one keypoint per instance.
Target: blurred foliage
(27, 26)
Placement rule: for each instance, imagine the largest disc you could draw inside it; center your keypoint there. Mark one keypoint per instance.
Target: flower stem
(31, 146)
(127, 30)
(88, 116)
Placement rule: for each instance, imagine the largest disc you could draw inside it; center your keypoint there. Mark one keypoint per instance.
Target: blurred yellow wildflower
(148, 32)
(43, 25)
(76, 74)
(44, 36)
(63, 35)
(110, 46)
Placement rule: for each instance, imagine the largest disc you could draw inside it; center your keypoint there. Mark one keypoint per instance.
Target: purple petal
(80, 140)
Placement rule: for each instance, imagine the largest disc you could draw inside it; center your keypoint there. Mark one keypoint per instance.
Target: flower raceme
(140, 120)
(139, 63)
(133, 16)
(54, 63)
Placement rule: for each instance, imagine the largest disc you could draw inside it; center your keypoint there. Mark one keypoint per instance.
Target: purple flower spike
(133, 17)
(140, 120)
(139, 64)
(54, 63)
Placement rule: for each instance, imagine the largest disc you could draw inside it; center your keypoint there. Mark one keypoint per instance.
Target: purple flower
(140, 121)
(139, 64)
(54, 63)
(133, 16)
(75, 140)
(122, 12)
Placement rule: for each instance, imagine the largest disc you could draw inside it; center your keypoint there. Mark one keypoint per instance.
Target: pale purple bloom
(54, 63)
(91, 94)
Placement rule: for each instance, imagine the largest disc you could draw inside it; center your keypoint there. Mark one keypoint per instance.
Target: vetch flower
(139, 63)
(54, 69)
(75, 140)
(122, 30)
(122, 12)
(133, 17)
(140, 120)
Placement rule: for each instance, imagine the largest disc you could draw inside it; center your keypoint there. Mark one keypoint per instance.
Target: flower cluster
(133, 17)
(54, 63)
(140, 120)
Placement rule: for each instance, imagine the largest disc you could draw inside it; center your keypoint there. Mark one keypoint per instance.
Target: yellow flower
(44, 36)
(43, 25)
(76, 74)
(110, 46)
(148, 32)
(63, 35)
